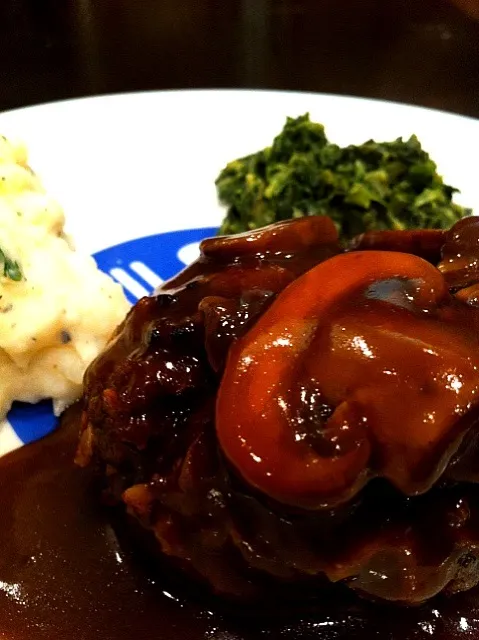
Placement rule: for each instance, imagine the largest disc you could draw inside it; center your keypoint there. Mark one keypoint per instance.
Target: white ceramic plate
(126, 167)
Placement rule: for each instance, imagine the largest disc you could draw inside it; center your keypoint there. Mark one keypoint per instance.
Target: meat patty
(290, 412)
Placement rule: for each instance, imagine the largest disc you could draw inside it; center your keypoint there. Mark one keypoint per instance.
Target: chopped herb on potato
(9, 268)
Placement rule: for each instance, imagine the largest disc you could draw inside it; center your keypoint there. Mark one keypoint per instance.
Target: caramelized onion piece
(425, 243)
(283, 237)
(460, 254)
(381, 378)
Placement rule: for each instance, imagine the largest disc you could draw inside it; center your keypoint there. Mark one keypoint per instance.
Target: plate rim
(278, 93)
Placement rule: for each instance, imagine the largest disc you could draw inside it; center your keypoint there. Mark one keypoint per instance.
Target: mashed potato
(57, 310)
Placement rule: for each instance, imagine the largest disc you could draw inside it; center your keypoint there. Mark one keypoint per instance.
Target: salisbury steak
(286, 411)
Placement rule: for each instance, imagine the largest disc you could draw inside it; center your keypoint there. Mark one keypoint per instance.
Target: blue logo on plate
(139, 266)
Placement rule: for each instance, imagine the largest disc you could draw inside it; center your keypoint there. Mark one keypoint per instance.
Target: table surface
(423, 52)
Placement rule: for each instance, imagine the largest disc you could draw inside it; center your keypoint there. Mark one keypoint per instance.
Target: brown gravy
(65, 574)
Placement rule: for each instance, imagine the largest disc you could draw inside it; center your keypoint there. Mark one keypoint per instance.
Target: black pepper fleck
(65, 337)
(6, 309)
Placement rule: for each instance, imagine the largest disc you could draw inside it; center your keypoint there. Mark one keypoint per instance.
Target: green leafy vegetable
(9, 268)
(376, 185)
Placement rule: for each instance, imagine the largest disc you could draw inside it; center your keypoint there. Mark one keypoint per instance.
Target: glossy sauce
(67, 569)
(65, 573)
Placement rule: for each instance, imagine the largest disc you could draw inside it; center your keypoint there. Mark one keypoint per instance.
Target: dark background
(418, 51)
